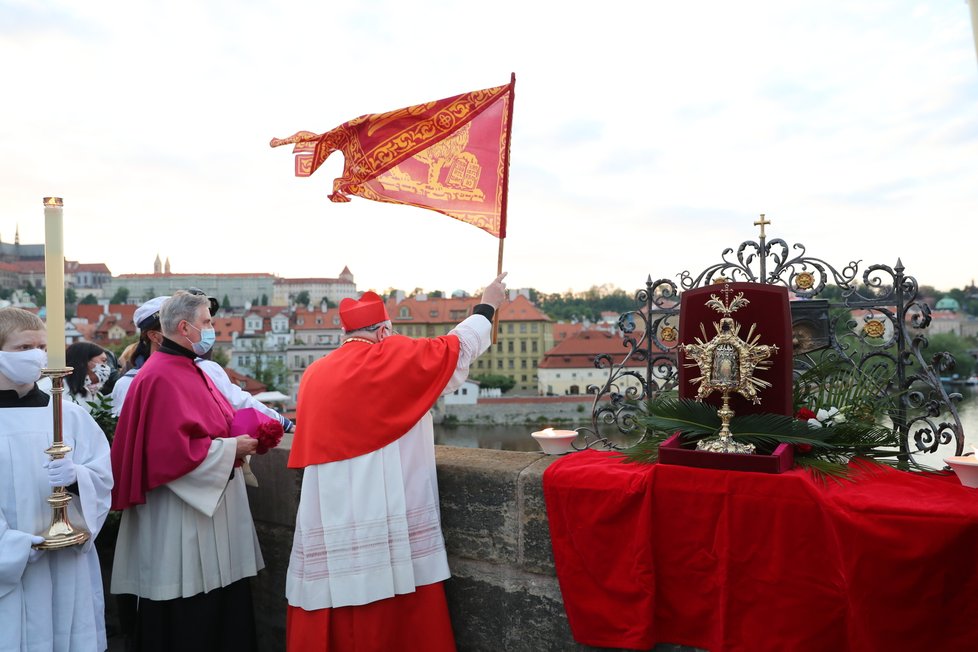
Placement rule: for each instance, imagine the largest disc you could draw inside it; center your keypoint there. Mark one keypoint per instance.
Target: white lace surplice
(369, 528)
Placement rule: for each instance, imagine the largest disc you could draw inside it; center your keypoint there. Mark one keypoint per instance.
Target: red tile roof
(449, 310)
(579, 351)
(239, 275)
(316, 319)
(225, 326)
(94, 312)
(247, 383)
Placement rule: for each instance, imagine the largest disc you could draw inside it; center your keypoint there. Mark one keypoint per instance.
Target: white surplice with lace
(369, 528)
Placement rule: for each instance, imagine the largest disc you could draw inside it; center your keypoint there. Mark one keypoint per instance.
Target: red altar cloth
(727, 560)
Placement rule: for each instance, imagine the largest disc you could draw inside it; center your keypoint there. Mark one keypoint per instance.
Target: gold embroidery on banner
(463, 171)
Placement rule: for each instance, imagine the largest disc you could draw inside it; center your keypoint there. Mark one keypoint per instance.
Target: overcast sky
(647, 135)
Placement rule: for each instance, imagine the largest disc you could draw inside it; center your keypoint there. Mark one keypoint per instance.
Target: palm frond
(688, 417)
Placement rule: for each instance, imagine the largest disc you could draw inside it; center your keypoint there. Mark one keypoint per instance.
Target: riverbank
(517, 410)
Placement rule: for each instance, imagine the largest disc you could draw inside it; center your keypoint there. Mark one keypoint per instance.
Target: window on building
(509, 328)
(533, 347)
(465, 391)
(499, 364)
(534, 327)
(522, 346)
(534, 364)
(499, 347)
(523, 364)
(523, 328)
(509, 346)
(523, 378)
(478, 364)
(404, 313)
(512, 363)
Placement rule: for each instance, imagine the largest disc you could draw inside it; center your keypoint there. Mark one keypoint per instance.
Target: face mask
(207, 338)
(102, 372)
(23, 367)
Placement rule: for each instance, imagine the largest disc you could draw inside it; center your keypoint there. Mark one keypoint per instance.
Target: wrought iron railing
(873, 320)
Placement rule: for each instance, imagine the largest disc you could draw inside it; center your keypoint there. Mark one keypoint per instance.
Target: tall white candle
(54, 280)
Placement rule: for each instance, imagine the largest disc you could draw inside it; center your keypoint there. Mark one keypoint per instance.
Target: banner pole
(499, 270)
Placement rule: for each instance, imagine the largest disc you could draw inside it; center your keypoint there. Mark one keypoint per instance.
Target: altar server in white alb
(368, 558)
(49, 600)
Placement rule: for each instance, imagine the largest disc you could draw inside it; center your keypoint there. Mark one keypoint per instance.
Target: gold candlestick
(61, 533)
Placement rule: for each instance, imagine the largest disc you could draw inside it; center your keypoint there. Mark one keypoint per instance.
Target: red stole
(364, 396)
(172, 413)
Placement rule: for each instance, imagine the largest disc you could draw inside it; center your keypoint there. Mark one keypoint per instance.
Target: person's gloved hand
(61, 472)
(35, 554)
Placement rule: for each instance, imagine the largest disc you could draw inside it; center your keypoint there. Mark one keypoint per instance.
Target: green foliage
(220, 356)
(959, 347)
(825, 451)
(71, 296)
(264, 299)
(302, 299)
(102, 413)
(89, 300)
(858, 393)
(584, 305)
(491, 381)
(226, 303)
(121, 296)
(118, 347)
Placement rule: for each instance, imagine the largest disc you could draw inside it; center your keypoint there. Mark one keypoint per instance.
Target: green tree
(89, 300)
(302, 299)
(221, 356)
(957, 346)
(270, 372)
(226, 303)
(71, 297)
(121, 296)
(491, 381)
(264, 299)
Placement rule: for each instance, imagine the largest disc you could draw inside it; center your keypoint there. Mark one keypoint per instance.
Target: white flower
(829, 417)
(814, 423)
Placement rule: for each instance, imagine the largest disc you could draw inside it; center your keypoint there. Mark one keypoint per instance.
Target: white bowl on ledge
(966, 468)
(555, 442)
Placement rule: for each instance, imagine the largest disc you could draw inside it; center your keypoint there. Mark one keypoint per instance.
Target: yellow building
(525, 333)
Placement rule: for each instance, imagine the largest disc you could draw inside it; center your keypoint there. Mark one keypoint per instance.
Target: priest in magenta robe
(187, 543)
(368, 557)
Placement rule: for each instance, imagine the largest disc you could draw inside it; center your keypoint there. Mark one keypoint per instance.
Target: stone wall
(503, 593)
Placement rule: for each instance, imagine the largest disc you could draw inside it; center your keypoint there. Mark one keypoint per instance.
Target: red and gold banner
(450, 156)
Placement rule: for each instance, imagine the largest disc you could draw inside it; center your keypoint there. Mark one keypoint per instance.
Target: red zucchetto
(369, 310)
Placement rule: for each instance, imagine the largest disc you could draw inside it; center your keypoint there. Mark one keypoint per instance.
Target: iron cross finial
(762, 223)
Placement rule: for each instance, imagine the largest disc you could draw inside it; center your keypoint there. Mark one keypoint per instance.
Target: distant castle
(16, 252)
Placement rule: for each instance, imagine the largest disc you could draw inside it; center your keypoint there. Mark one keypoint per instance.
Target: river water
(517, 438)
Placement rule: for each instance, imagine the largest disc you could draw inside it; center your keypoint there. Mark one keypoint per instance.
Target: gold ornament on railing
(727, 364)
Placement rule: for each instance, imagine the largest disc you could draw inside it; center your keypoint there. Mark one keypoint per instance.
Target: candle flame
(975, 449)
(53, 201)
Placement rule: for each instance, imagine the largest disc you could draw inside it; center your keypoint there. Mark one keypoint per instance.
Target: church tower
(166, 269)
(157, 265)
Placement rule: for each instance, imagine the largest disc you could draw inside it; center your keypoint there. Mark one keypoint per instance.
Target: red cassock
(357, 400)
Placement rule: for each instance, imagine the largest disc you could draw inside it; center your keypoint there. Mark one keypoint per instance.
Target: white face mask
(102, 372)
(23, 367)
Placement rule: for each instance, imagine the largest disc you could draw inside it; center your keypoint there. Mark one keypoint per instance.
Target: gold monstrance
(727, 364)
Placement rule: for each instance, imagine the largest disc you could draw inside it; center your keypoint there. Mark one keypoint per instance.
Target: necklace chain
(357, 339)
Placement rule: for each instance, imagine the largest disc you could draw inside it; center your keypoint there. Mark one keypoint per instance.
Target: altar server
(49, 600)
(187, 544)
(368, 557)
